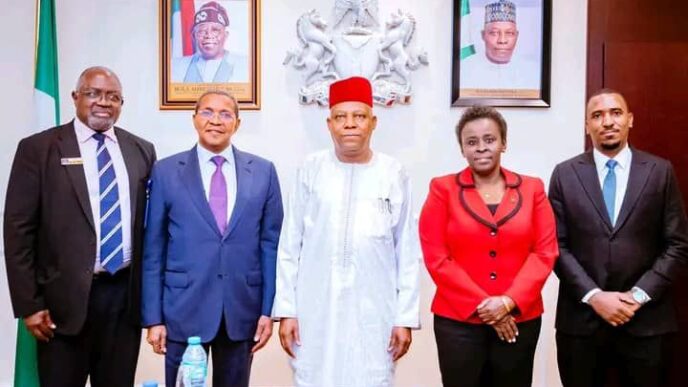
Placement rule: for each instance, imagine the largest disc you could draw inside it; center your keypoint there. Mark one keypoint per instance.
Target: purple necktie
(218, 194)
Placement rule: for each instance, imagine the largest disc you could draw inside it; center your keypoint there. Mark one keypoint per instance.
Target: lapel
(131, 157)
(190, 173)
(470, 199)
(637, 180)
(586, 172)
(244, 176)
(69, 148)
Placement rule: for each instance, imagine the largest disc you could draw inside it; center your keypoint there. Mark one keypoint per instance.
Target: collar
(623, 158)
(199, 58)
(205, 156)
(84, 133)
(465, 178)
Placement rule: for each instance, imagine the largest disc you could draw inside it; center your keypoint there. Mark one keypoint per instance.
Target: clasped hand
(615, 308)
(495, 311)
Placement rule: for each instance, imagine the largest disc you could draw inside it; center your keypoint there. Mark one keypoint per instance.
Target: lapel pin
(71, 161)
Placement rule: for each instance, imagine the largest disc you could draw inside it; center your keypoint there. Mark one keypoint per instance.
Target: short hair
(218, 92)
(474, 113)
(94, 69)
(605, 90)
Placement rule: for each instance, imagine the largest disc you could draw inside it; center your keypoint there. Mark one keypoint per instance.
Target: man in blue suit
(213, 226)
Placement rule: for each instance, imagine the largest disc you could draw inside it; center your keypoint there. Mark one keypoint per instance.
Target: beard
(100, 124)
(611, 146)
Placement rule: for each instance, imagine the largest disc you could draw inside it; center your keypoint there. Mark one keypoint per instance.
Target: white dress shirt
(622, 172)
(208, 167)
(87, 148)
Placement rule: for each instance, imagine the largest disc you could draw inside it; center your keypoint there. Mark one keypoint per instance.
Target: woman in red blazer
(489, 243)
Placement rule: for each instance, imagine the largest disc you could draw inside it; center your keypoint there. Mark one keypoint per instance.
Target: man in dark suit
(214, 221)
(73, 239)
(622, 239)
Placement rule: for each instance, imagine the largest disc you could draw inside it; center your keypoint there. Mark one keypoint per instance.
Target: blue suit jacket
(193, 275)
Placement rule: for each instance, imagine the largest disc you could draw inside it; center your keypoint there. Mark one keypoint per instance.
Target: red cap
(211, 12)
(357, 89)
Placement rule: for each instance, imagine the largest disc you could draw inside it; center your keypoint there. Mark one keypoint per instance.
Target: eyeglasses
(211, 31)
(96, 94)
(225, 116)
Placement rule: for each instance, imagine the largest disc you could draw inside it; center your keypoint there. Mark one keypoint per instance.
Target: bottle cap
(194, 340)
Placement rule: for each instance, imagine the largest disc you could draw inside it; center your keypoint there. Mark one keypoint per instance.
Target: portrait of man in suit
(623, 236)
(214, 221)
(73, 231)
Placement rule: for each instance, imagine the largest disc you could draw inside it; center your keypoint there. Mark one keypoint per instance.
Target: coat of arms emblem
(356, 44)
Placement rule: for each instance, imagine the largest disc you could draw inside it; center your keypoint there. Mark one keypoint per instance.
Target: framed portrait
(501, 52)
(209, 45)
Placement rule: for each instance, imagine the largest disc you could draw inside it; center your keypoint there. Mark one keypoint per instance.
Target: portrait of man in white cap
(211, 61)
(501, 62)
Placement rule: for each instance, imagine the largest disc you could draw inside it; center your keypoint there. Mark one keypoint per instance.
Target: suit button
(493, 276)
(493, 232)
(493, 253)
(219, 276)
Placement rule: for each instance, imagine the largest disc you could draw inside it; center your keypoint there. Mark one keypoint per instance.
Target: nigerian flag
(467, 47)
(47, 114)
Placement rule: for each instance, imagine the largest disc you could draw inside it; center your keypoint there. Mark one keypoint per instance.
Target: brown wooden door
(640, 48)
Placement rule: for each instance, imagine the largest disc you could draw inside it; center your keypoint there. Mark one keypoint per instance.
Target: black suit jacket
(50, 240)
(646, 247)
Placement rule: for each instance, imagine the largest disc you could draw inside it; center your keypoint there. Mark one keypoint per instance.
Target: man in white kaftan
(348, 258)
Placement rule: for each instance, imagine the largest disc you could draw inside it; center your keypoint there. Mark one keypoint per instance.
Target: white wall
(123, 34)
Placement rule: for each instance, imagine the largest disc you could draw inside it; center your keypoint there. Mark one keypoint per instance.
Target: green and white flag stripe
(467, 47)
(47, 114)
(177, 43)
(46, 94)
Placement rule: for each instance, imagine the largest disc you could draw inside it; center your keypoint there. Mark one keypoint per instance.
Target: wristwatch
(639, 295)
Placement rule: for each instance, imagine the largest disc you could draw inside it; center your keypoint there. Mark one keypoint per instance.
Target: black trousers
(106, 349)
(472, 355)
(595, 360)
(231, 360)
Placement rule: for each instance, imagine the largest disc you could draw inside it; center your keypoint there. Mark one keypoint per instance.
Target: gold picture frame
(197, 56)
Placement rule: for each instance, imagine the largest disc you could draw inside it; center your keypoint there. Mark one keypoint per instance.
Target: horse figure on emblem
(392, 50)
(317, 53)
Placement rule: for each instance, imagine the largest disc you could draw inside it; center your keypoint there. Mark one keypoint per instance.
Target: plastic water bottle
(194, 367)
(150, 383)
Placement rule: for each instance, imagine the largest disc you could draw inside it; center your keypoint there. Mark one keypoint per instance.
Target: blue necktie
(609, 189)
(111, 247)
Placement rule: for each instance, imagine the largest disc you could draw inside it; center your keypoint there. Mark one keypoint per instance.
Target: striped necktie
(111, 247)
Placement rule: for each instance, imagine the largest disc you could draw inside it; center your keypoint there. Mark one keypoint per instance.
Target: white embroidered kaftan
(347, 269)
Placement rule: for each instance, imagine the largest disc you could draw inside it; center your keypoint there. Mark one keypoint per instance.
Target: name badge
(71, 161)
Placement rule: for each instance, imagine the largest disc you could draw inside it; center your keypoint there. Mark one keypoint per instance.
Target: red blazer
(472, 255)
